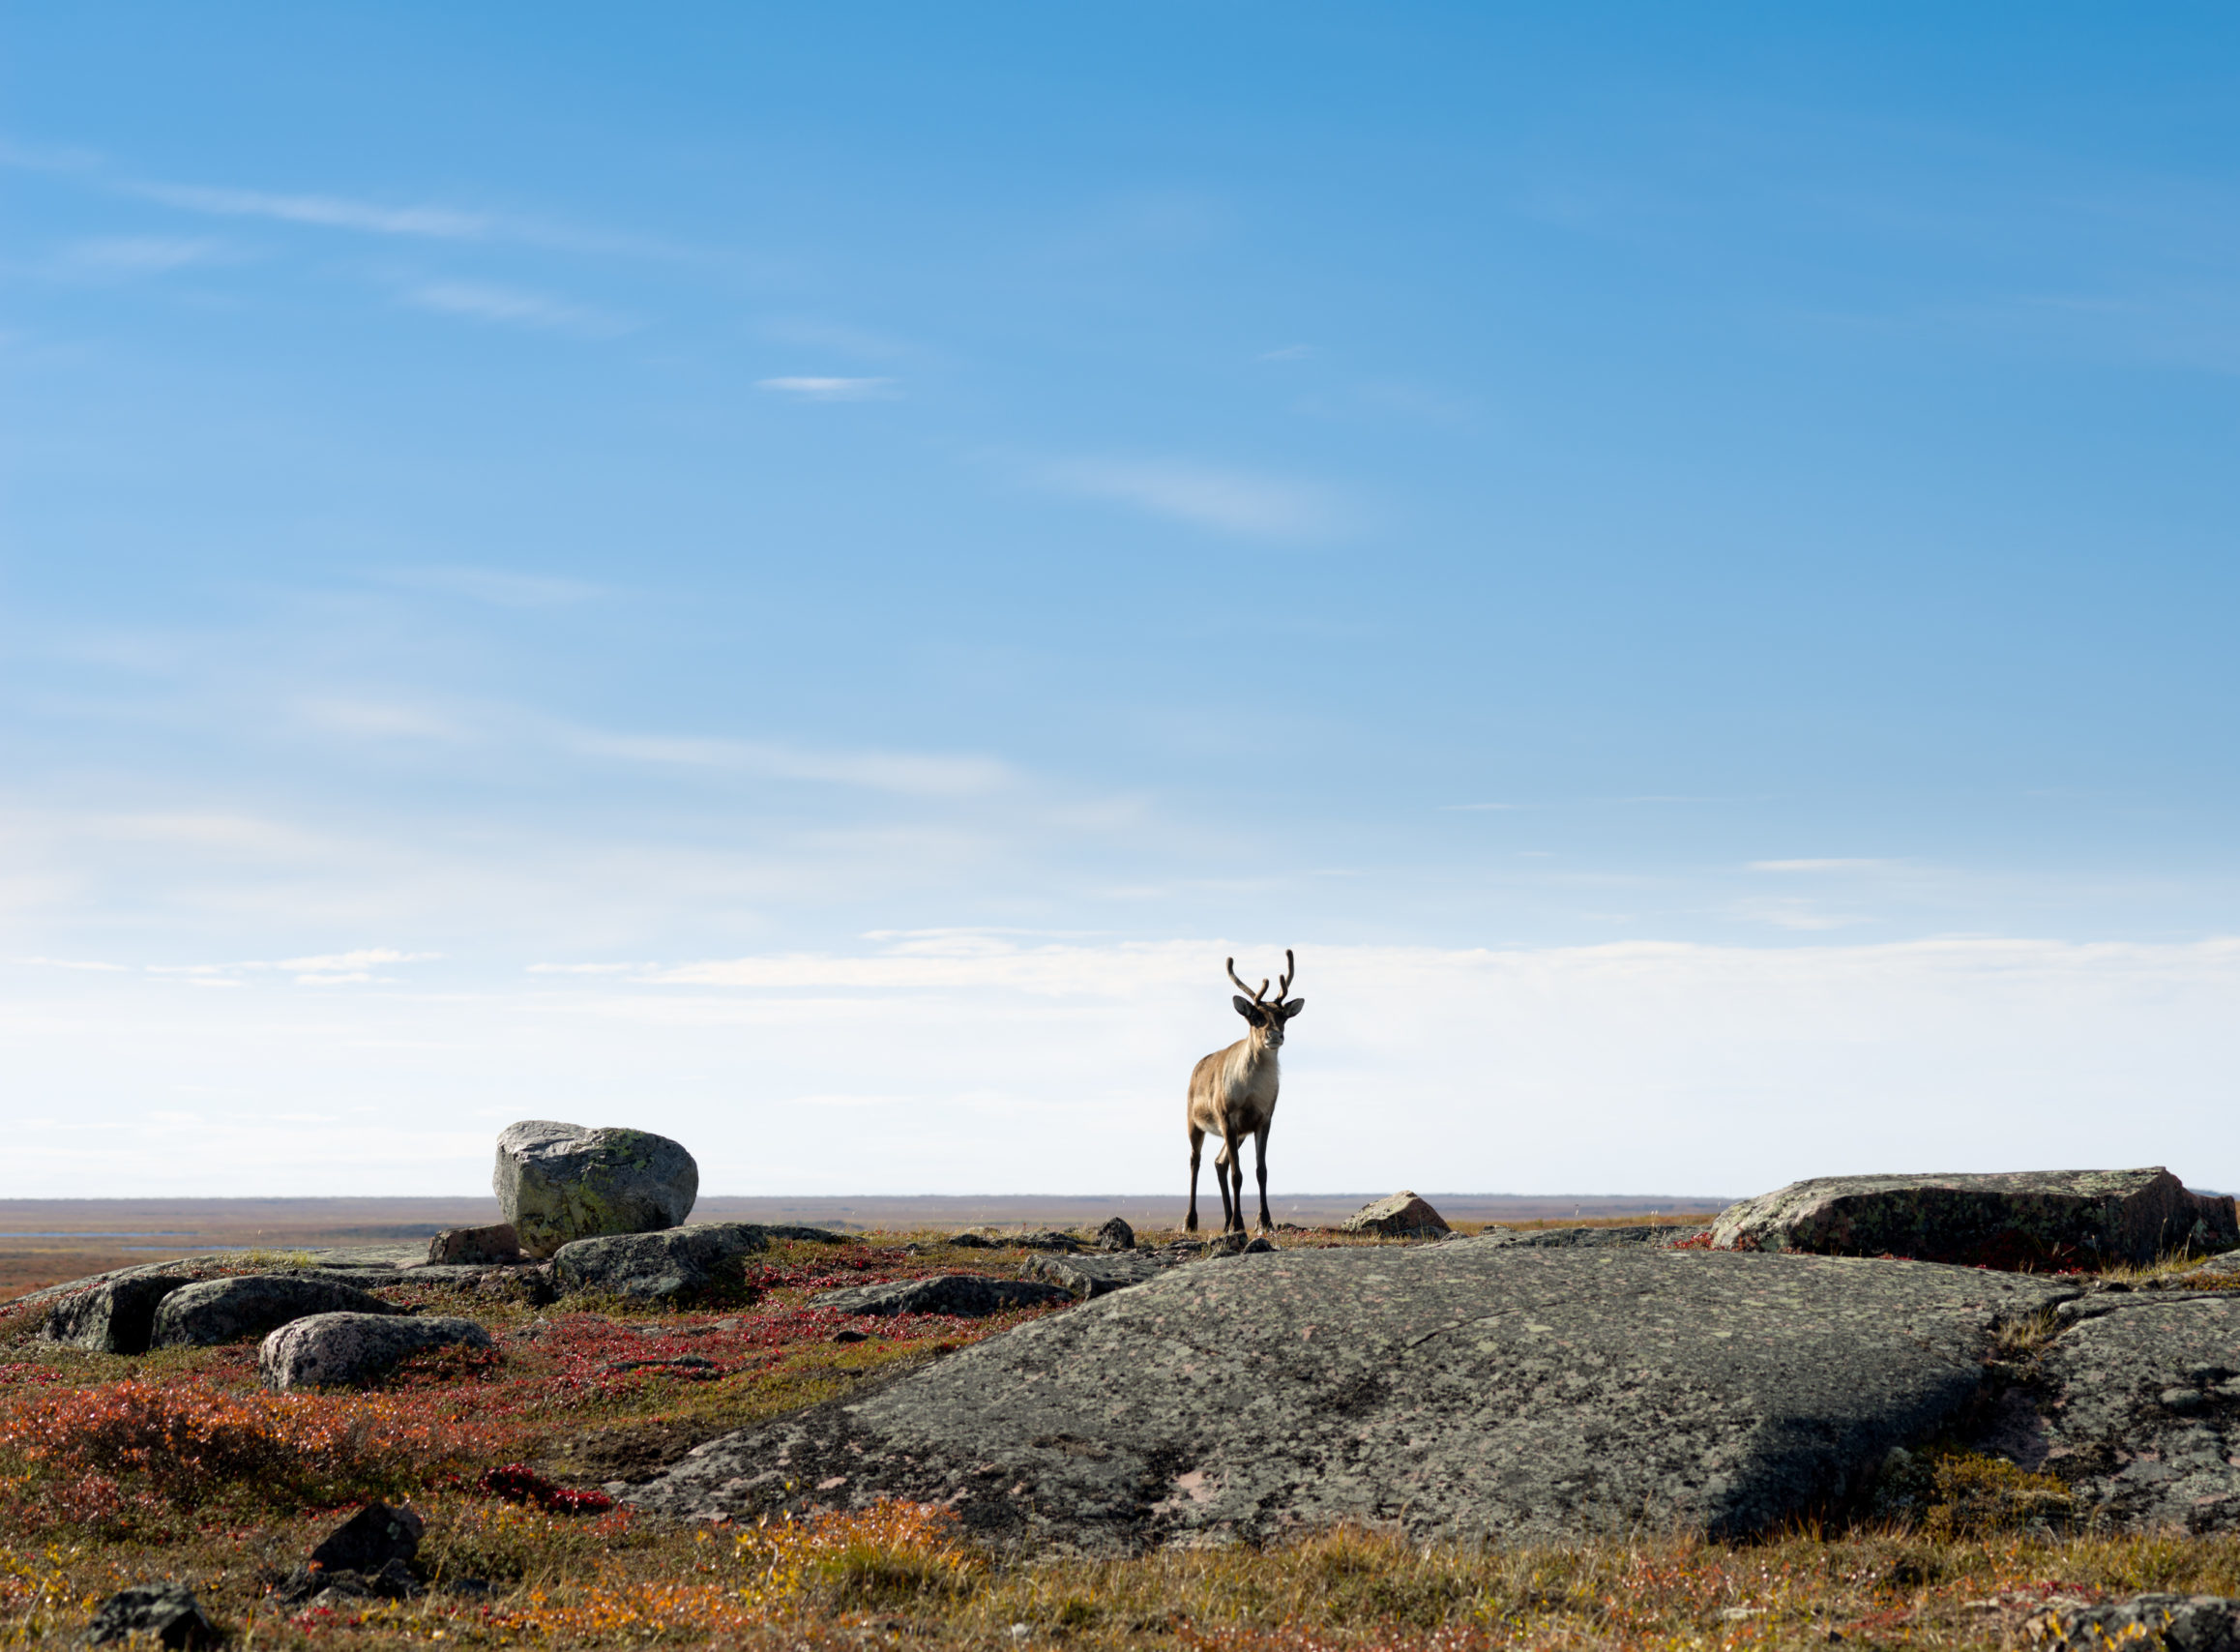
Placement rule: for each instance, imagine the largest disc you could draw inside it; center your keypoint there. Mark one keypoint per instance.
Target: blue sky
(802, 576)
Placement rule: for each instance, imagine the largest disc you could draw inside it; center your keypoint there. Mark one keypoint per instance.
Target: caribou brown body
(1232, 1095)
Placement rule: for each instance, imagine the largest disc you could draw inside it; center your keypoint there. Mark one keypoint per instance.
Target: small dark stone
(851, 1336)
(1116, 1235)
(370, 1539)
(172, 1612)
(973, 1241)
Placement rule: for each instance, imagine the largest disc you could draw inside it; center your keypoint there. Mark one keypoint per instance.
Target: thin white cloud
(326, 212)
(1795, 915)
(514, 307)
(381, 720)
(120, 257)
(1823, 866)
(499, 587)
(809, 389)
(912, 773)
(1225, 501)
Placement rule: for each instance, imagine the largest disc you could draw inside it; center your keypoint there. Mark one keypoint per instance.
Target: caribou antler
(1242, 987)
(1289, 969)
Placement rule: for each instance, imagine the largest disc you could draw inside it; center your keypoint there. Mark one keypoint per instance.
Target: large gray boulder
(2006, 1219)
(558, 1182)
(665, 1267)
(1462, 1390)
(233, 1310)
(334, 1349)
(114, 1316)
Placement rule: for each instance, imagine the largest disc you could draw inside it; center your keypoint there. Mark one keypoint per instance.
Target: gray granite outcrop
(2012, 1219)
(2135, 1406)
(1459, 1390)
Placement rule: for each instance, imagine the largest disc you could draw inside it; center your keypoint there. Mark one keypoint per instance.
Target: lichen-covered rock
(233, 1310)
(1460, 1391)
(2179, 1623)
(336, 1349)
(116, 1316)
(2006, 1219)
(456, 1246)
(2139, 1411)
(969, 1296)
(668, 1266)
(560, 1182)
(1116, 1235)
(1401, 1215)
(172, 1612)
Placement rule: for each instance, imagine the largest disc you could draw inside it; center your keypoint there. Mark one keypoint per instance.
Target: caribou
(1232, 1095)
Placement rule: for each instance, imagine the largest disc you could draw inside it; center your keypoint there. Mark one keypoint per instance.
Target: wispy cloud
(908, 772)
(1225, 501)
(832, 389)
(321, 970)
(1803, 915)
(499, 587)
(119, 257)
(382, 720)
(1823, 866)
(327, 212)
(514, 307)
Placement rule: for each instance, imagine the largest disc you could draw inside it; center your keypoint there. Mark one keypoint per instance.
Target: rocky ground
(1529, 1438)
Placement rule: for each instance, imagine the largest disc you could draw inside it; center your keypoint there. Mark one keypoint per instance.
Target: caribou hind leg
(1196, 1145)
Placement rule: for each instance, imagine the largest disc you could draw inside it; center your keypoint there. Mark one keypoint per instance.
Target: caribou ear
(1293, 1008)
(1251, 1011)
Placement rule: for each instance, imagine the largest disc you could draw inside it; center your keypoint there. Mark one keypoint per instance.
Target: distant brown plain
(47, 1242)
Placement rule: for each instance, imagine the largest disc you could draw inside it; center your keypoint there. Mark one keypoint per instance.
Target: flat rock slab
(2008, 1220)
(249, 1305)
(1595, 1238)
(1458, 1390)
(2138, 1411)
(971, 1296)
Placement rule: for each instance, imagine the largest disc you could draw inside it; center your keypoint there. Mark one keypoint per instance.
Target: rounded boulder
(561, 1182)
(334, 1349)
(233, 1310)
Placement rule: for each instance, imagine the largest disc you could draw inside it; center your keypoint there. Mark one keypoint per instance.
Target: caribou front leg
(1260, 1163)
(1196, 1146)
